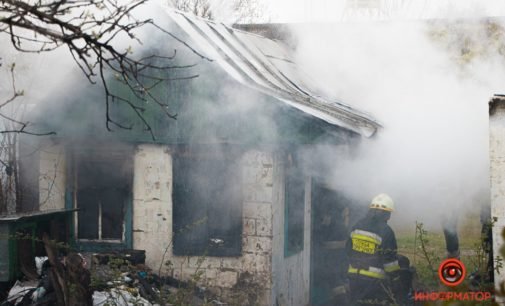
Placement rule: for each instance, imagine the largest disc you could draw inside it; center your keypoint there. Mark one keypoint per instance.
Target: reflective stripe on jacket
(392, 266)
(370, 272)
(372, 249)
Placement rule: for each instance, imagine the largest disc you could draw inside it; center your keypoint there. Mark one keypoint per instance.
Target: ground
(410, 245)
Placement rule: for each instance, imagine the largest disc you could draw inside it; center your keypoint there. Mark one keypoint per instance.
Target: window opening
(207, 205)
(102, 181)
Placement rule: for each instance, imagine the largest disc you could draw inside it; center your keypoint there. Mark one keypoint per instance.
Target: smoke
(352, 10)
(34, 75)
(431, 97)
(431, 155)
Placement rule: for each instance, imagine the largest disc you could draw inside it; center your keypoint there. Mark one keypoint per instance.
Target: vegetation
(426, 249)
(467, 42)
(93, 32)
(240, 11)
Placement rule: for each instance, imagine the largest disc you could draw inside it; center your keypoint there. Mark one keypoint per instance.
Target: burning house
(222, 189)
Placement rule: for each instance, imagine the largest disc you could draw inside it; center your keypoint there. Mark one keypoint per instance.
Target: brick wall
(246, 277)
(52, 177)
(152, 202)
(497, 173)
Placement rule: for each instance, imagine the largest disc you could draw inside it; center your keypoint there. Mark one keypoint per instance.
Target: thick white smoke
(432, 154)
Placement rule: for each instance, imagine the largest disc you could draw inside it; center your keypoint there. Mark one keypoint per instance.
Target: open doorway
(330, 228)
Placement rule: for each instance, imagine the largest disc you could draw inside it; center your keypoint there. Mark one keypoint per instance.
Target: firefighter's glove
(395, 281)
(38, 293)
(397, 288)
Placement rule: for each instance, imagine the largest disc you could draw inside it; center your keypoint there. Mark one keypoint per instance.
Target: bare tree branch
(15, 92)
(237, 11)
(89, 29)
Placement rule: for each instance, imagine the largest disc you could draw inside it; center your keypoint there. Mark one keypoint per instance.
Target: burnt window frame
(294, 206)
(184, 241)
(75, 153)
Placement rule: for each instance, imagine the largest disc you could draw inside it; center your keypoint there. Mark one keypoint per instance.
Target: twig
(423, 242)
(89, 30)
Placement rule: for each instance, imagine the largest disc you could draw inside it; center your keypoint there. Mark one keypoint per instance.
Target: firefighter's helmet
(383, 202)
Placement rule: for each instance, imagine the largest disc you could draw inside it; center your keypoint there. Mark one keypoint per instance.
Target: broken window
(294, 208)
(102, 189)
(207, 205)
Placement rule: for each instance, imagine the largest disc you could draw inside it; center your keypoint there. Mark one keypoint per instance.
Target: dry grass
(469, 231)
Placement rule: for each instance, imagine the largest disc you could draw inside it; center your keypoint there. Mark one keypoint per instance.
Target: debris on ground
(116, 279)
(19, 291)
(118, 297)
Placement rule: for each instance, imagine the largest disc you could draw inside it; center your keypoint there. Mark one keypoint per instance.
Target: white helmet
(383, 201)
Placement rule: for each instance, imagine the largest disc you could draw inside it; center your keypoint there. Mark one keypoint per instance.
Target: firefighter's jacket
(371, 249)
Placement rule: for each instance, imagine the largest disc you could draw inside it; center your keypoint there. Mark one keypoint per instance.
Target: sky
(342, 10)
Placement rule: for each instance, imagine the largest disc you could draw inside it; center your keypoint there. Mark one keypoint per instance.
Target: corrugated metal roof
(266, 65)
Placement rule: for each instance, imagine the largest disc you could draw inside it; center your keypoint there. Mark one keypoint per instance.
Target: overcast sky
(339, 10)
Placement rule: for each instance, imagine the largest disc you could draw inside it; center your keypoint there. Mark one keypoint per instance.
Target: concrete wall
(291, 275)
(246, 279)
(249, 274)
(497, 173)
(52, 176)
(152, 202)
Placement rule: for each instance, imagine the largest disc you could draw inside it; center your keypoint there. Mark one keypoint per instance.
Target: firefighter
(373, 262)
(450, 228)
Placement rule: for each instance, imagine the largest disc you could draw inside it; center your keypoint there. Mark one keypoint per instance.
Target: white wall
(152, 202)
(52, 176)
(152, 226)
(497, 173)
(291, 275)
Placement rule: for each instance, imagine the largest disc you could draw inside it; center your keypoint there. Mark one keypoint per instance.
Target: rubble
(119, 297)
(18, 292)
(116, 280)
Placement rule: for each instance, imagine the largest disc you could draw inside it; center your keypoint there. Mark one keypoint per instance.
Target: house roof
(267, 66)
